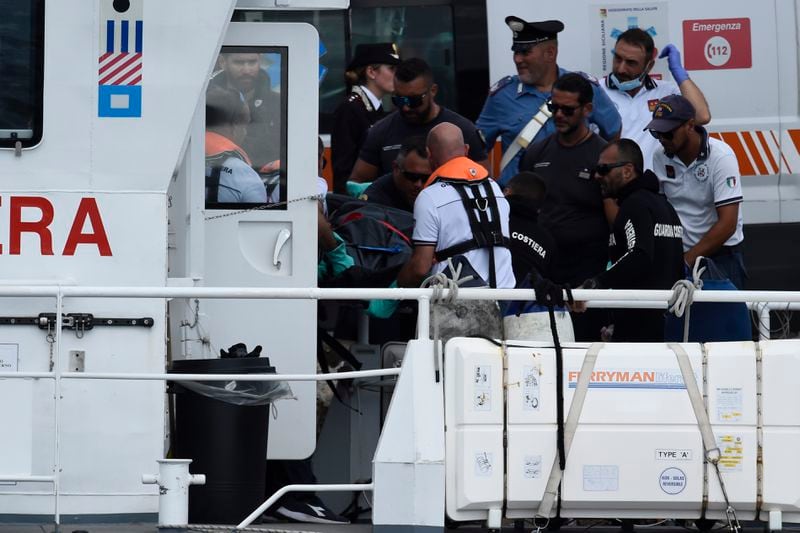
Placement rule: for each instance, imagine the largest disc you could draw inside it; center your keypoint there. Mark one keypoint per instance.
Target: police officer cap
(528, 34)
(375, 54)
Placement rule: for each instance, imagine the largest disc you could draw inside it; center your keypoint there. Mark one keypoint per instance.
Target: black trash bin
(226, 442)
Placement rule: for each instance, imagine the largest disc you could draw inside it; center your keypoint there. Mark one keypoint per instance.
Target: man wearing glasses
(573, 210)
(416, 114)
(410, 171)
(646, 248)
(700, 177)
(515, 109)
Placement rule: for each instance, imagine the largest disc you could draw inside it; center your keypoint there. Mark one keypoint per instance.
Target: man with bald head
(461, 212)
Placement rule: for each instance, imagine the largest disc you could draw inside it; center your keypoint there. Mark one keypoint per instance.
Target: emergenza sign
(119, 70)
(631, 378)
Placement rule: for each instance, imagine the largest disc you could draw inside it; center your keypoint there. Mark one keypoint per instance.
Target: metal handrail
(763, 301)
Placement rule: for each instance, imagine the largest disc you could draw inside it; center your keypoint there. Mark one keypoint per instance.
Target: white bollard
(775, 521)
(173, 480)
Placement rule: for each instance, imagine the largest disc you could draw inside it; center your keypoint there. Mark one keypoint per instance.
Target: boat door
(252, 214)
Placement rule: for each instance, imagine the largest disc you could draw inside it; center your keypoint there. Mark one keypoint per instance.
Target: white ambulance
(743, 55)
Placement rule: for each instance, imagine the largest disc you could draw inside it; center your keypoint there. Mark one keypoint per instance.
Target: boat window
(22, 68)
(246, 128)
(331, 26)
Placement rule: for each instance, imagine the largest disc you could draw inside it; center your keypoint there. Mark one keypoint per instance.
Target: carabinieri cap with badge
(528, 34)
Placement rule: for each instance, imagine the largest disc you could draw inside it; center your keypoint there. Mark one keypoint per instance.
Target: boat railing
(761, 302)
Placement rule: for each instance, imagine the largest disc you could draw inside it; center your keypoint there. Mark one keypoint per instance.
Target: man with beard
(416, 114)
(700, 177)
(515, 109)
(636, 93)
(646, 246)
(243, 72)
(573, 210)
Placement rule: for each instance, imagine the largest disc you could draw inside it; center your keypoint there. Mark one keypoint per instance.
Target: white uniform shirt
(239, 183)
(440, 219)
(637, 111)
(695, 191)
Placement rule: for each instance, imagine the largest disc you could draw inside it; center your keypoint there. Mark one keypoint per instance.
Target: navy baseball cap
(670, 112)
(527, 34)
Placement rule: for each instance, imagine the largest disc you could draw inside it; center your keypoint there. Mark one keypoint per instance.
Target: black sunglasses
(666, 135)
(567, 110)
(604, 168)
(411, 102)
(414, 176)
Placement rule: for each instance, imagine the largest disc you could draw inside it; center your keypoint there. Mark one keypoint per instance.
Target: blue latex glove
(675, 66)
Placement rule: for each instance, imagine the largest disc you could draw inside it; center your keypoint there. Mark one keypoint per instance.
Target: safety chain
(213, 528)
(51, 341)
(318, 197)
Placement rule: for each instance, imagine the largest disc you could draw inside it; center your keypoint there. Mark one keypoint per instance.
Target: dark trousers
(731, 263)
(282, 472)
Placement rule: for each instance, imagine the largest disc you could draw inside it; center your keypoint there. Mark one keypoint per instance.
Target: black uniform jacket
(532, 246)
(647, 253)
(351, 120)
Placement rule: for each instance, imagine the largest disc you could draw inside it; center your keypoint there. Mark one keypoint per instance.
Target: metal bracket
(73, 321)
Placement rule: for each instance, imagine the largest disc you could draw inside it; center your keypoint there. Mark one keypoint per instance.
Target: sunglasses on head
(411, 102)
(604, 168)
(414, 176)
(567, 110)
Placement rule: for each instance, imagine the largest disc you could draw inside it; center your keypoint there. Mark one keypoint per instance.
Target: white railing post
(424, 318)
(57, 407)
(764, 324)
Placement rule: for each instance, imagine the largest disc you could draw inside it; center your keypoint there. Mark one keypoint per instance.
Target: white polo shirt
(440, 219)
(695, 191)
(637, 111)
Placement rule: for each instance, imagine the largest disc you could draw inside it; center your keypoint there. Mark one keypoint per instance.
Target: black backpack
(378, 238)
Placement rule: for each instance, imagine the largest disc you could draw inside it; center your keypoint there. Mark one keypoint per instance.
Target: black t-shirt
(572, 209)
(385, 137)
(532, 247)
(383, 191)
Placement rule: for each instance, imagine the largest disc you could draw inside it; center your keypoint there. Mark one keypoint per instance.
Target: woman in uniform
(369, 77)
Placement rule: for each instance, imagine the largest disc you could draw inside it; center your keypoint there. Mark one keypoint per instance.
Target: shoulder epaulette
(500, 84)
(589, 77)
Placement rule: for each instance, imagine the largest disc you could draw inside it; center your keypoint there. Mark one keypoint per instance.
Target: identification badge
(585, 174)
(670, 172)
